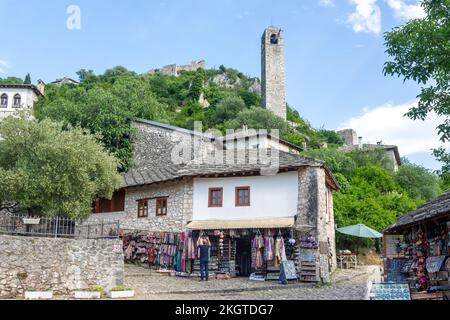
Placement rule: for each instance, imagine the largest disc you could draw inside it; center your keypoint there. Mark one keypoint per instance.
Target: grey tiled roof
(139, 177)
(22, 86)
(142, 177)
(433, 209)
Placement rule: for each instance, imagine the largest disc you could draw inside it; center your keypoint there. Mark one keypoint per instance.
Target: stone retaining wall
(58, 264)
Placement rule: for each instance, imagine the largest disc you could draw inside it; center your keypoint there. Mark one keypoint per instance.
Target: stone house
(65, 81)
(353, 142)
(290, 192)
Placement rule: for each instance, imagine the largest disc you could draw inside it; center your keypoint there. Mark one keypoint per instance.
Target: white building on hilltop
(16, 97)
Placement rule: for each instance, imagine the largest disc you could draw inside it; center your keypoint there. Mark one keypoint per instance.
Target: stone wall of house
(58, 264)
(154, 145)
(179, 207)
(315, 211)
(308, 200)
(331, 233)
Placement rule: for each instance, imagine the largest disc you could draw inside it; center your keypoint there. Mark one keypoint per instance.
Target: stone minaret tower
(273, 92)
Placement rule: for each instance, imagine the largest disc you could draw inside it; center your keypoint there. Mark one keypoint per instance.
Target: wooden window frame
(116, 204)
(210, 204)
(237, 204)
(142, 204)
(160, 200)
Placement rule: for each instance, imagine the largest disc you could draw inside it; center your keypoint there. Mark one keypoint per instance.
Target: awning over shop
(267, 223)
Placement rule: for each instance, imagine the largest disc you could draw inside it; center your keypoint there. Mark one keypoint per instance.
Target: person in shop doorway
(203, 254)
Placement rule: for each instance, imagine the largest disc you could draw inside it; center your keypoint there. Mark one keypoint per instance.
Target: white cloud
(406, 11)
(387, 123)
(4, 65)
(327, 3)
(366, 17)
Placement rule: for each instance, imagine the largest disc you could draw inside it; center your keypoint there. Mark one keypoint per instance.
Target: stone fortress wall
(173, 69)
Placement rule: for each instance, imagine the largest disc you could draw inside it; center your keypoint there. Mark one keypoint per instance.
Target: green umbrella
(360, 230)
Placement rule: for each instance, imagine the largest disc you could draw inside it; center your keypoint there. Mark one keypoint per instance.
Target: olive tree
(50, 171)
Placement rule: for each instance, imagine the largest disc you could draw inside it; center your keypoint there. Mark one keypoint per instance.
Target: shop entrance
(244, 256)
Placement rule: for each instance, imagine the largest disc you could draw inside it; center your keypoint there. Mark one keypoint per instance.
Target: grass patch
(121, 288)
(322, 285)
(369, 257)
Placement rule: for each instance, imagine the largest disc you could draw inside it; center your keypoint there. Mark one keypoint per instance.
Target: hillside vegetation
(371, 192)
(105, 103)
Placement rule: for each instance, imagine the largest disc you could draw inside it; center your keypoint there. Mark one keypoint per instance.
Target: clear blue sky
(334, 72)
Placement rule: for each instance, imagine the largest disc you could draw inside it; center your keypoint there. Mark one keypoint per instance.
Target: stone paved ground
(346, 285)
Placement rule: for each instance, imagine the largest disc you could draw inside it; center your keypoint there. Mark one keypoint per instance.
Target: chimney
(360, 142)
(41, 86)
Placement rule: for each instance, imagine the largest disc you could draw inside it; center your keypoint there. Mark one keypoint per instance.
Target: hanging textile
(268, 248)
(190, 249)
(280, 253)
(253, 249)
(151, 256)
(128, 252)
(258, 252)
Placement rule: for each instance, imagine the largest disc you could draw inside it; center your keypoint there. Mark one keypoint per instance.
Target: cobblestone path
(346, 285)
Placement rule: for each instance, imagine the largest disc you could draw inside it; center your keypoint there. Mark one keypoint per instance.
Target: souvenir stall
(260, 254)
(166, 252)
(253, 253)
(416, 250)
(158, 250)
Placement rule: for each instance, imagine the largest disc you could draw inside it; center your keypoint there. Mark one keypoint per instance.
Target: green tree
(228, 108)
(250, 98)
(197, 85)
(53, 171)
(331, 137)
(27, 79)
(443, 157)
(11, 80)
(115, 73)
(418, 181)
(420, 51)
(104, 105)
(258, 118)
(372, 156)
(337, 161)
(371, 197)
(96, 109)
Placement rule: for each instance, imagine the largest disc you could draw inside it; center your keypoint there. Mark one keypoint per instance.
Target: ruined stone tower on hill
(273, 90)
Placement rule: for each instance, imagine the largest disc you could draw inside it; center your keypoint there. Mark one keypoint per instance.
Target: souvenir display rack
(424, 263)
(309, 271)
(155, 249)
(227, 257)
(224, 250)
(177, 252)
